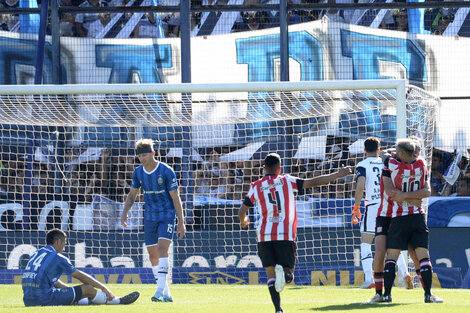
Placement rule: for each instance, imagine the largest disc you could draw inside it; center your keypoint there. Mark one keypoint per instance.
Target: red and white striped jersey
(407, 177)
(274, 198)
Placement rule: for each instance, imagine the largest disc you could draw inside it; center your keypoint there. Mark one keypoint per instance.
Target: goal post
(67, 157)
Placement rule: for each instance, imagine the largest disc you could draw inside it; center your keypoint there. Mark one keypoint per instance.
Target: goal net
(67, 158)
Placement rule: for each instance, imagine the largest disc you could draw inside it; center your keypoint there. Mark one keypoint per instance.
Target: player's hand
(345, 170)
(245, 222)
(124, 220)
(357, 215)
(180, 230)
(108, 293)
(398, 196)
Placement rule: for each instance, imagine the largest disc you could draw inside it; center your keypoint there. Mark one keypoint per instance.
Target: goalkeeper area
(67, 155)
(250, 298)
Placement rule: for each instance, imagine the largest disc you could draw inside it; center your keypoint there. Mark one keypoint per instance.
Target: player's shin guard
(100, 298)
(275, 297)
(389, 276)
(426, 274)
(379, 282)
(418, 273)
(162, 272)
(366, 261)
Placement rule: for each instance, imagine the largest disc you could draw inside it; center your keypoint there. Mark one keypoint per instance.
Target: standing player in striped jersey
(405, 181)
(42, 285)
(162, 205)
(368, 173)
(274, 198)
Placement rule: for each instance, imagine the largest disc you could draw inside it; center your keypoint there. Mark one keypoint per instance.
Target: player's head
(372, 145)
(57, 238)
(144, 149)
(418, 144)
(405, 149)
(272, 164)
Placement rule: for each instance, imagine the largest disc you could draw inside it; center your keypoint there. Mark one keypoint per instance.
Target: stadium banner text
(450, 262)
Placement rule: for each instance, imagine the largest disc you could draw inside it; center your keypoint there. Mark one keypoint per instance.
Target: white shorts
(368, 218)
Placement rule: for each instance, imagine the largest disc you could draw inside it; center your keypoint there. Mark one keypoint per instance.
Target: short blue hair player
(42, 286)
(162, 204)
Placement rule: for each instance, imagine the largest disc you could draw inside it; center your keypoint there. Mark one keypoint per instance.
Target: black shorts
(382, 224)
(408, 230)
(277, 252)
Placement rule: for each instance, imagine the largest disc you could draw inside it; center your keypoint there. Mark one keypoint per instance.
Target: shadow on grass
(355, 306)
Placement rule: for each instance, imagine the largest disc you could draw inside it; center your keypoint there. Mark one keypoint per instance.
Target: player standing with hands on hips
(274, 198)
(162, 204)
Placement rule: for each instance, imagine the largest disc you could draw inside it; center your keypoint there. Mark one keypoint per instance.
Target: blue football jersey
(156, 186)
(43, 270)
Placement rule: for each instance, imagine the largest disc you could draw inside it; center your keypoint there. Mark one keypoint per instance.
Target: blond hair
(144, 142)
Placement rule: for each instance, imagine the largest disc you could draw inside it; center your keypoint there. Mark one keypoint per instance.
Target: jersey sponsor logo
(279, 183)
(275, 219)
(153, 192)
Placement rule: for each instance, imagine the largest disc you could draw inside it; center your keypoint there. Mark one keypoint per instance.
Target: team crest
(379, 229)
(160, 180)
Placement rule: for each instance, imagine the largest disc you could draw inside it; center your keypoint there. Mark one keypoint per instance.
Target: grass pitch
(256, 299)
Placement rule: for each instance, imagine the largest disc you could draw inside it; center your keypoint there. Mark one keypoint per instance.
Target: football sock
(426, 274)
(155, 272)
(389, 276)
(379, 282)
(166, 291)
(162, 272)
(403, 264)
(366, 261)
(418, 273)
(83, 301)
(275, 297)
(116, 300)
(100, 298)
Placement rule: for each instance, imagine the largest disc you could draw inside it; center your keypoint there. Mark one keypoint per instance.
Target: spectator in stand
(9, 22)
(401, 20)
(83, 21)
(95, 28)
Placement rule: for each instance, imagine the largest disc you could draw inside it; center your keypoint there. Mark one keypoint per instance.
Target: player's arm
(419, 194)
(180, 227)
(128, 205)
(325, 179)
(244, 221)
(60, 284)
(360, 186)
(87, 279)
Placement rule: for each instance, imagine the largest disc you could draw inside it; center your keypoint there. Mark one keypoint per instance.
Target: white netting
(67, 162)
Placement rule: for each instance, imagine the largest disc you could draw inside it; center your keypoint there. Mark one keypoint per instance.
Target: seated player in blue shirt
(162, 203)
(42, 286)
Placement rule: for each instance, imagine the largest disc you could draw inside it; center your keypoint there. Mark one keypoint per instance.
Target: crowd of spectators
(167, 24)
(110, 176)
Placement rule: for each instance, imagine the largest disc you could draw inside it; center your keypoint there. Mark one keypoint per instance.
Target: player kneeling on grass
(42, 286)
(274, 197)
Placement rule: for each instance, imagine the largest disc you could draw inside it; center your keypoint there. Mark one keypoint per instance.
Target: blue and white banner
(320, 50)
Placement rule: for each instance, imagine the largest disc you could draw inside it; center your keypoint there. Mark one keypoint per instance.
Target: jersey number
(413, 186)
(35, 261)
(276, 201)
(376, 169)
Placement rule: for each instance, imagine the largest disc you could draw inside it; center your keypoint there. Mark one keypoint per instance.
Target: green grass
(255, 298)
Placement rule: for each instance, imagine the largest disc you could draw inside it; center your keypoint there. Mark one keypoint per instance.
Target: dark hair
(55, 234)
(272, 161)
(371, 144)
(406, 145)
